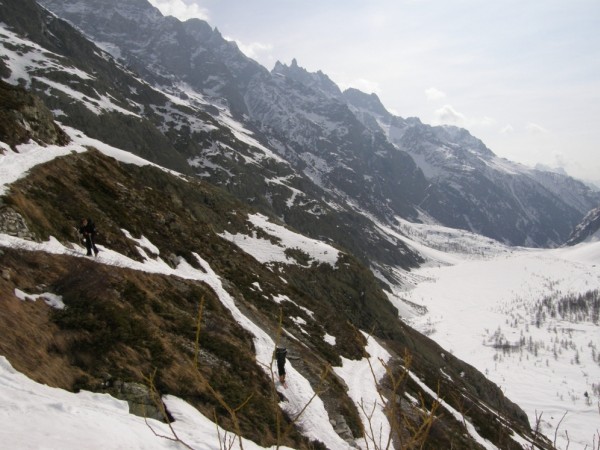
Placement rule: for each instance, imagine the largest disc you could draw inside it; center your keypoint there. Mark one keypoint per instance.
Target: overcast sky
(521, 75)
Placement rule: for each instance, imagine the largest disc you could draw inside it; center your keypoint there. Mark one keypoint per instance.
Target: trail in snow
(314, 421)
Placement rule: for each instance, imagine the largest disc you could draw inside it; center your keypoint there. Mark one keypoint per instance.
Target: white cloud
(449, 116)
(253, 50)
(508, 129)
(560, 160)
(535, 128)
(485, 121)
(434, 94)
(180, 9)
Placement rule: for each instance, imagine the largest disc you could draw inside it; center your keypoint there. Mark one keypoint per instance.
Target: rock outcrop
(23, 116)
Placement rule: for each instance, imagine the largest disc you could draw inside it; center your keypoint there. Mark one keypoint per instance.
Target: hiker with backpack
(87, 229)
(280, 354)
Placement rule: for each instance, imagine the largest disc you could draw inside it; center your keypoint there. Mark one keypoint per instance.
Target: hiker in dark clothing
(280, 354)
(87, 229)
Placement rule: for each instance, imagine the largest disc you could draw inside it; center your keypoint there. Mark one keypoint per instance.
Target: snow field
(485, 312)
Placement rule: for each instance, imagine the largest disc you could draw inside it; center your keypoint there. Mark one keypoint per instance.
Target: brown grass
(31, 342)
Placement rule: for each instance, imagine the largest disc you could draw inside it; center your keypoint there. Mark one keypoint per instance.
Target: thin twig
(558, 426)
(198, 327)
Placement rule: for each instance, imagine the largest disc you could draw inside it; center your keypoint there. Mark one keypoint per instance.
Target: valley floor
(486, 306)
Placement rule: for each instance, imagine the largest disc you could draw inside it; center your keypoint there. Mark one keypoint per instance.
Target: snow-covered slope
(588, 230)
(32, 411)
(34, 415)
(529, 319)
(101, 412)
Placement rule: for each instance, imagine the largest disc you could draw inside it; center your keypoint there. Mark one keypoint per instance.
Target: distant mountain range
(344, 145)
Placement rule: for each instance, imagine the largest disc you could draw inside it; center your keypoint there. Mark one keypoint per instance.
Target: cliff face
(587, 230)
(24, 116)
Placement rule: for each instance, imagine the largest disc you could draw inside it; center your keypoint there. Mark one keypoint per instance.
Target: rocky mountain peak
(164, 49)
(463, 138)
(201, 29)
(315, 80)
(368, 102)
(139, 11)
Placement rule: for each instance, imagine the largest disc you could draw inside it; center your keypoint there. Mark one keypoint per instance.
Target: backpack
(280, 353)
(91, 226)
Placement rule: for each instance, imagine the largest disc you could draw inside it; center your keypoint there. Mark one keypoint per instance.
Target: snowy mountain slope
(317, 191)
(527, 318)
(312, 421)
(178, 252)
(588, 230)
(489, 195)
(326, 141)
(160, 47)
(178, 127)
(342, 145)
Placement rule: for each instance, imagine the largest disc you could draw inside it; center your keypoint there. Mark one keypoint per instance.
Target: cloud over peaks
(253, 49)
(434, 94)
(180, 9)
(508, 129)
(448, 115)
(535, 128)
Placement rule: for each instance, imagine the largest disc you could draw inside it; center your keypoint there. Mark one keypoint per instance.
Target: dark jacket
(280, 354)
(88, 229)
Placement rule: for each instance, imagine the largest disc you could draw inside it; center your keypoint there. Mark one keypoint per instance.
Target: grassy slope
(125, 324)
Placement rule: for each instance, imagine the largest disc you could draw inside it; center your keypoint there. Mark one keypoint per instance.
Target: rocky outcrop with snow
(588, 230)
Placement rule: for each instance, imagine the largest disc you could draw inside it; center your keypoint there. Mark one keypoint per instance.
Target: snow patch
(143, 243)
(52, 300)
(362, 378)
(265, 251)
(39, 416)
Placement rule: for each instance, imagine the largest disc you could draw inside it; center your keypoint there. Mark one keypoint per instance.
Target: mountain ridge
(177, 131)
(588, 230)
(526, 199)
(305, 118)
